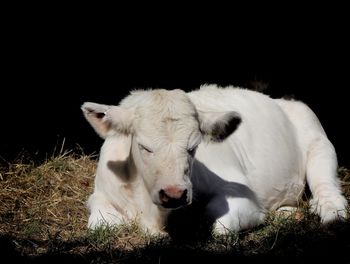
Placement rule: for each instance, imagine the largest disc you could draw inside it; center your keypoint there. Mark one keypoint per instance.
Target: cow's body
(261, 166)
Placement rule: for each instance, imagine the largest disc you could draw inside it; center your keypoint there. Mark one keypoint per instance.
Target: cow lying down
(234, 153)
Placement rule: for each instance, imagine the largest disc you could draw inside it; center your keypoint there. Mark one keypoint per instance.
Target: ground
(43, 219)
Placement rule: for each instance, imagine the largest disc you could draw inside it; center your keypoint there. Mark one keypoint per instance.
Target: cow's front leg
(102, 212)
(236, 214)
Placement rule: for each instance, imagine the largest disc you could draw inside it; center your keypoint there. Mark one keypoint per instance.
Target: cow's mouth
(169, 202)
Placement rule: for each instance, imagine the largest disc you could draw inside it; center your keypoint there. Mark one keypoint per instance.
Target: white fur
(261, 166)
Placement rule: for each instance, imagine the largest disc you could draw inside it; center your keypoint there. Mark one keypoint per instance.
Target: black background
(52, 63)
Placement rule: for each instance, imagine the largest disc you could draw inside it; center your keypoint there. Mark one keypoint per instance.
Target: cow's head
(166, 130)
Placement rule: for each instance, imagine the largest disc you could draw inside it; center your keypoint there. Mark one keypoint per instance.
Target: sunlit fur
(275, 147)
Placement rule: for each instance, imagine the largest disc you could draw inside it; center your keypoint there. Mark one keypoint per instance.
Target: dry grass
(49, 199)
(43, 215)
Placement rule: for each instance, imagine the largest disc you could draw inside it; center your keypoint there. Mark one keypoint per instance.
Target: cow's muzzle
(173, 197)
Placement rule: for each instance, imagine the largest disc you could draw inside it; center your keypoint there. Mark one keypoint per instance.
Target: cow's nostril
(184, 194)
(163, 196)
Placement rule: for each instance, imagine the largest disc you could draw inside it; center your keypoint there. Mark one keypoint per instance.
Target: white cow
(235, 152)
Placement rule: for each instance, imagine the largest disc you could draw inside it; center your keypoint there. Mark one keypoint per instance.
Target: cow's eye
(142, 147)
(192, 151)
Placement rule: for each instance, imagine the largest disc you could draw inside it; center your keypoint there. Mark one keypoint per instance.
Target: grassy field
(43, 219)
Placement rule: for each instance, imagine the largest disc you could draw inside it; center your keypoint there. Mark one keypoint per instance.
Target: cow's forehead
(167, 134)
(167, 105)
(166, 114)
(160, 105)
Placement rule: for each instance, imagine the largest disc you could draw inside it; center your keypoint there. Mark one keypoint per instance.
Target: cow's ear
(108, 120)
(217, 126)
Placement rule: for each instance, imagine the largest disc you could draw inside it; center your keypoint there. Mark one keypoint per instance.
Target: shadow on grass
(299, 243)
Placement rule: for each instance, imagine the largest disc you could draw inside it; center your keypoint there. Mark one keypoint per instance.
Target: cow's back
(263, 153)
